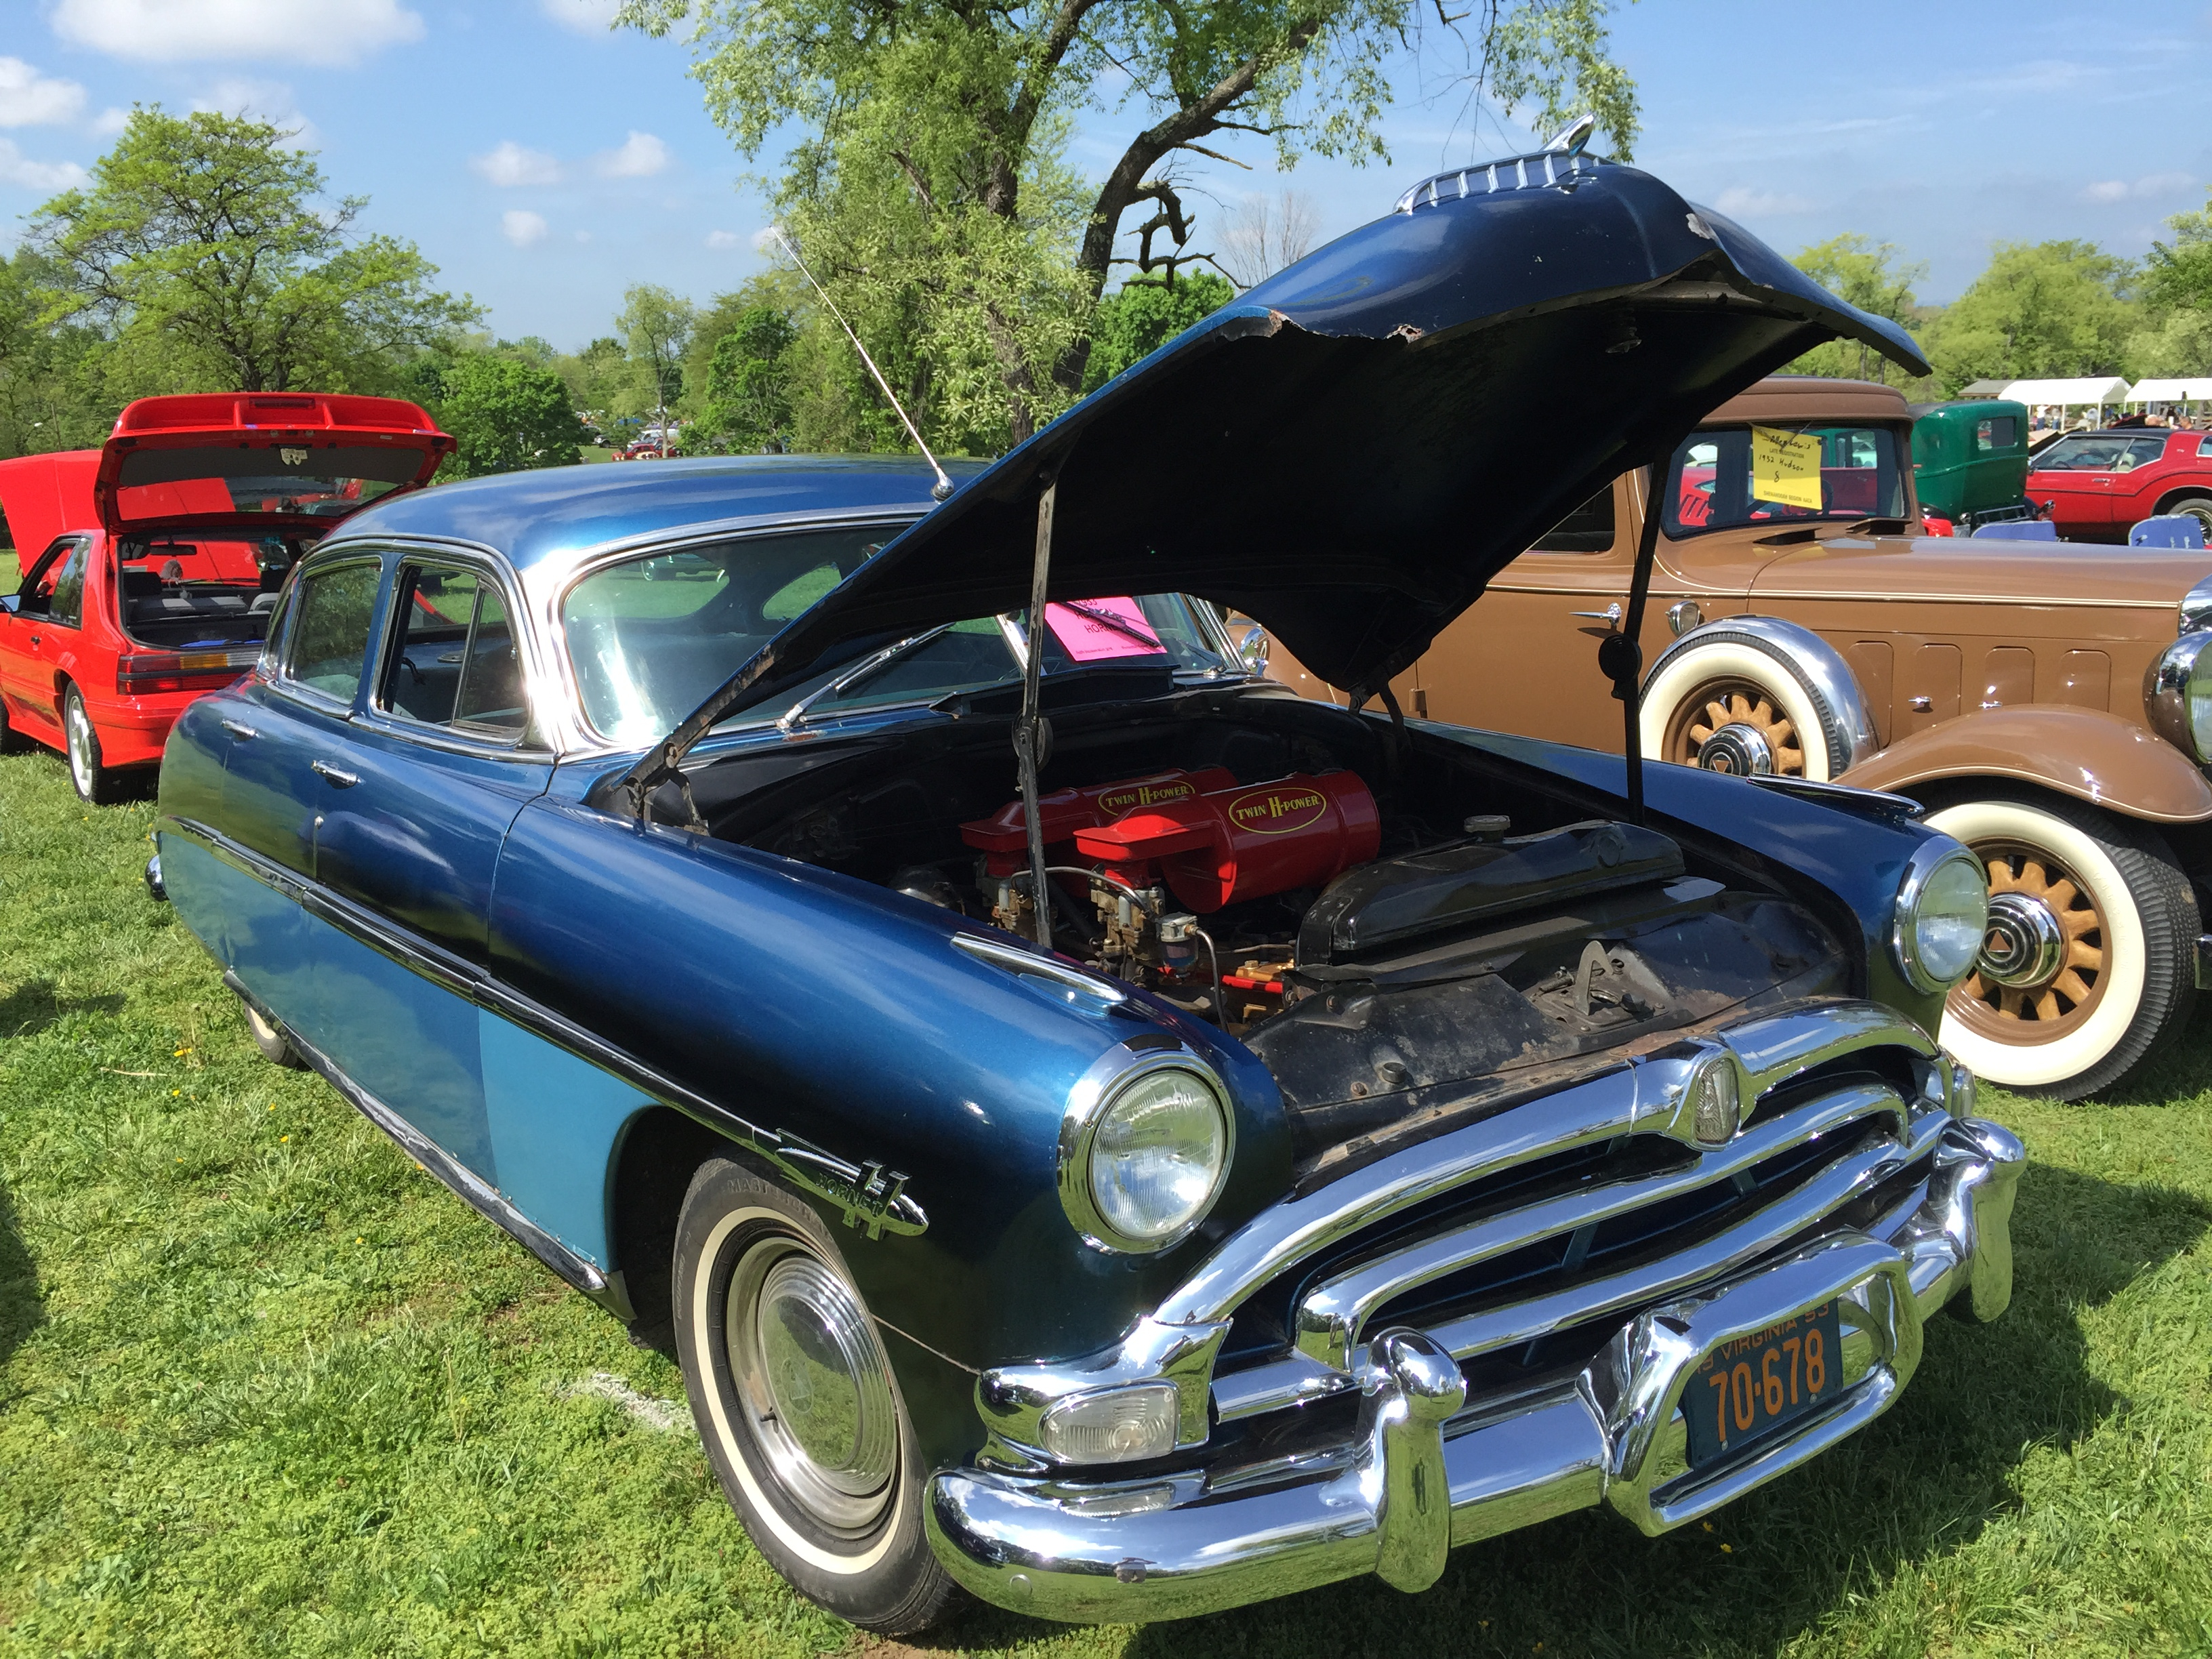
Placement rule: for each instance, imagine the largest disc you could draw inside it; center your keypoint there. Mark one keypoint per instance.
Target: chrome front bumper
(1425, 1471)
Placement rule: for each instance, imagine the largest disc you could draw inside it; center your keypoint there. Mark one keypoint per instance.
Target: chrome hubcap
(1739, 749)
(2025, 944)
(814, 1384)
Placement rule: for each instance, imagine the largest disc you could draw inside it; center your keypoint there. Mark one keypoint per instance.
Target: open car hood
(1352, 450)
(259, 462)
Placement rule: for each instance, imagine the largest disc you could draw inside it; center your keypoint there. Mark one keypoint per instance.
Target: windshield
(1723, 477)
(650, 638)
(2100, 453)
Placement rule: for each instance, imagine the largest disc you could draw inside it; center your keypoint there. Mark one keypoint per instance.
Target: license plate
(1757, 1382)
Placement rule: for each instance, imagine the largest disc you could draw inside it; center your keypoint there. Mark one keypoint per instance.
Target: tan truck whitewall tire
(1755, 694)
(2126, 920)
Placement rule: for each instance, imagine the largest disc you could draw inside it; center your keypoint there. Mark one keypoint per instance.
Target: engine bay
(1393, 929)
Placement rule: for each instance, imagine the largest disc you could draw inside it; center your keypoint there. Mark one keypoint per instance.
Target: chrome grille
(1534, 1260)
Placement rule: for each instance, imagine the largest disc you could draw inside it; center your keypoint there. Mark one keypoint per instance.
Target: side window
(1996, 432)
(66, 606)
(453, 661)
(334, 611)
(1588, 529)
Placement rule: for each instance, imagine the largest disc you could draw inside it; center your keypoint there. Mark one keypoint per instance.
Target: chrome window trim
(1927, 858)
(281, 678)
(447, 737)
(1125, 1063)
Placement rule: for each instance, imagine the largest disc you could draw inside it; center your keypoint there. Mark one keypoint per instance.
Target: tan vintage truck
(2048, 703)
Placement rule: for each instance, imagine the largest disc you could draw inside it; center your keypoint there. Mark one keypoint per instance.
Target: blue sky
(544, 164)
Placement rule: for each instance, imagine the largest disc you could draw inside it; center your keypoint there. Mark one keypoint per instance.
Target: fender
(1819, 667)
(2090, 754)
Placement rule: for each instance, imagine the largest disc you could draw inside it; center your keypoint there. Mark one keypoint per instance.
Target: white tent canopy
(2095, 389)
(2171, 392)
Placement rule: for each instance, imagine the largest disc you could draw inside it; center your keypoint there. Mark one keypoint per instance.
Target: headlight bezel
(2178, 676)
(1920, 873)
(1094, 1097)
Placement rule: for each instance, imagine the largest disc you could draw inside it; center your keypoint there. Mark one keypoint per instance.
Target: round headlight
(2177, 695)
(1143, 1156)
(1942, 912)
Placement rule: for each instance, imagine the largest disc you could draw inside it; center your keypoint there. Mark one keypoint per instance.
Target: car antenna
(943, 487)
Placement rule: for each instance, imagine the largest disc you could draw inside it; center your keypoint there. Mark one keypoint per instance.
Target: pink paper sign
(1092, 630)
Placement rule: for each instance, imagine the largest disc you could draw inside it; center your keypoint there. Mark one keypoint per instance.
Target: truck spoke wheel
(2089, 966)
(1735, 726)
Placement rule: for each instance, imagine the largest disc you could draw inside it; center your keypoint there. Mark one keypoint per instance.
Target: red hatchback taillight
(140, 672)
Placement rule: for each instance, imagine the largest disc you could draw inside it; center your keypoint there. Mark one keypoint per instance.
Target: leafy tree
(199, 246)
(506, 415)
(50, 395)
(1870, 276)
(2178, 276)
(2041, 309)
(748, 401)
(929, 189)
(655, 325)
(1145, 316)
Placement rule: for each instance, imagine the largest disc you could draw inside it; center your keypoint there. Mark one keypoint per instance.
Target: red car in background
(2099, 483)
(160, 555)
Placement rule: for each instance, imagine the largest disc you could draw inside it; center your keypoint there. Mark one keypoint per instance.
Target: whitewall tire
(797, 1406)
(2089, 969)
(1734, 703)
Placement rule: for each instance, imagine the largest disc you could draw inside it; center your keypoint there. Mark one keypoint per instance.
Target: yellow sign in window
(1785, 468)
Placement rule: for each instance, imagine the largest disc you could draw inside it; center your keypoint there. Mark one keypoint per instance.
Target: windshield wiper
(866, 668)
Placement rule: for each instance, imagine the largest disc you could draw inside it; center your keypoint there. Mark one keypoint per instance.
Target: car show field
(263, 1387)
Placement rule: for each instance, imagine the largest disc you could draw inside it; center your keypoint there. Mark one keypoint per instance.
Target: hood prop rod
(1620, 656)
(1029, 730)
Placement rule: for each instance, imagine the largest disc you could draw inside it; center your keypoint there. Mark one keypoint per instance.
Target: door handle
(34, 638)
(339, 780)
(243, 733)
(1610, 616)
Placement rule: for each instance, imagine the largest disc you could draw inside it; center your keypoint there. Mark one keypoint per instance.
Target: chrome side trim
(1849, 729)
(1199, 1540)
(869, 1197)
(579, 1271)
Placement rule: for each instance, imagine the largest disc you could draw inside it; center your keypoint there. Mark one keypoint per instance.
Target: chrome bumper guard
(1425, 1471)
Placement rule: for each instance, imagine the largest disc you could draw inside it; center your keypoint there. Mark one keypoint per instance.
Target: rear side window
(335, 610)
(1996, 432)
(1588, 529)
(453, 661)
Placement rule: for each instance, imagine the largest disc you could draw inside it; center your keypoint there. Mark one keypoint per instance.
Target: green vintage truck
(1970, 461)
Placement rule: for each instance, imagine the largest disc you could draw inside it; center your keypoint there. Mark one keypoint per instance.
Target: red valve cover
(1235, 843)
(1003, 837)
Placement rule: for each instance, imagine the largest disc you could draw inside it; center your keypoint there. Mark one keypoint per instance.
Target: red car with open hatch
(160, 555)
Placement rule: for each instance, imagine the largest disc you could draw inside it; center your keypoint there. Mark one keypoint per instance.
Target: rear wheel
(2198, 508)
(2088, 967)
(797, 1406)
(94, 782)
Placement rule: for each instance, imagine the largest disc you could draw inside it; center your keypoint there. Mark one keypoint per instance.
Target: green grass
(265, 1389)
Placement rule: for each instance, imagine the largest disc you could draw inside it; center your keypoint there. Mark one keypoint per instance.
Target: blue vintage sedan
(1104, 1134)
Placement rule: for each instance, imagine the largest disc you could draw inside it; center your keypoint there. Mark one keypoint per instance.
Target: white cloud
(583, 235)
(326, 32)
(28, 99)
(510, 164)
(522, 229)
(584, 16)
(110, 121)
(2151, 184)
(723, 239)
(16, 168)
(1738, 202)
(769, 239)
(261, 100)
(640, 156)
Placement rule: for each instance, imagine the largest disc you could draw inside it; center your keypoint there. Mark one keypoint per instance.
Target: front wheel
(2088, 968)
(797, 1406)
(93, 782)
